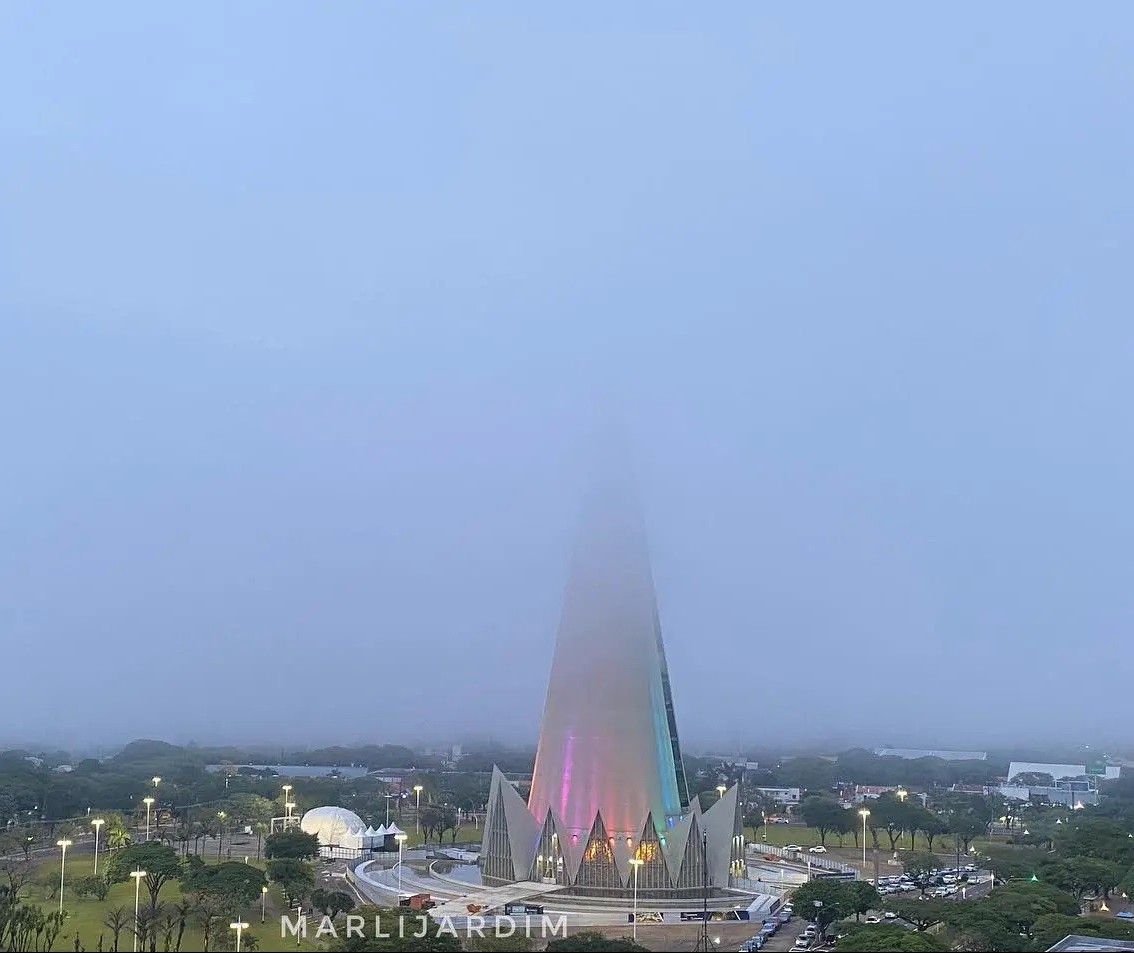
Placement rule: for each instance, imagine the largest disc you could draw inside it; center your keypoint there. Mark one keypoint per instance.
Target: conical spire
(608, 743)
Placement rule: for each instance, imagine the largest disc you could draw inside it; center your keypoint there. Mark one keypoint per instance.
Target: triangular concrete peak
(654, 871)
(551, 859)
(720, 823)
(598, 868)
(508, 820)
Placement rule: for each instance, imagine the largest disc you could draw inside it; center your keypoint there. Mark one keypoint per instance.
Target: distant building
(733, 760)
(868, 792)
(1089, 944)
(783, 796)
(945, 754)
(1073, 792)
(1058, 772)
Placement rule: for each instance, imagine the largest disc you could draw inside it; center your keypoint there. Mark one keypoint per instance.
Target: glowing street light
(417, 789)
(96, 824)
(220, 831)
(137, 875)
(239, 926)
(156, 780)
(389, 797)
(401, 839)
(290, 807)
(287, 798)
(263, 903)
(902, 794)
(636, 862)
(63, 845)
(864, 814)
(721, 790)
(149, 802)
(765, 827)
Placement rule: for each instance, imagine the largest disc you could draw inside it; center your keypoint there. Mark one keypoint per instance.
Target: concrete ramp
(492, 899)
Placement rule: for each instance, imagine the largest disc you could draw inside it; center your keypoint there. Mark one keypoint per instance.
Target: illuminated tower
(609, 811)
(608, 743)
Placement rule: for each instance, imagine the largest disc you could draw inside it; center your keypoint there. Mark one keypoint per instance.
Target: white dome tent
(341, 833)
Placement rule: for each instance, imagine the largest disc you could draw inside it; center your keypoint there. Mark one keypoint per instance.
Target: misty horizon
(304, 335)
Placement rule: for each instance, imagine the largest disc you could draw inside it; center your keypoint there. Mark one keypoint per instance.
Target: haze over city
(308, 316)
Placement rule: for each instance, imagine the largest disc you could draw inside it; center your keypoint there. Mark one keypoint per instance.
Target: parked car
(873, 919)
(794, 847)
(818, 849)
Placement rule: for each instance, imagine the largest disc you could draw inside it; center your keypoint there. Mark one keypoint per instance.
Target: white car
(873, 919)
(795, 847)
(818, 849)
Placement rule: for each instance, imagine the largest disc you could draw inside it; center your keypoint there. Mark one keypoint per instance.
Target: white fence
(802, 857)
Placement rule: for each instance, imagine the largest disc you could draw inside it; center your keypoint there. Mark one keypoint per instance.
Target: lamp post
(765, 827)
(239, 926)
(721, 790)
(149, 802)
(389, 797)
(137, 875)
(902, 795)
(864, 814)
(417, 789)
(96, 824)
(63, 845)
(290, 807)
(287, 806)
(401, 839)
(636, 862)
(220, 831)
(263, 904)
(156, 781)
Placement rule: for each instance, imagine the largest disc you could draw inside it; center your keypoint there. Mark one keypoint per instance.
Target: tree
(297, 877)
(922, 913)
(824, 814)
(918, 865)
(183, 909)
(491, 943)
(590, 941)
(965, 825)
(823, 901)
(231, 884)
(931, 825)
(883, 938)
(208, 915)
(861, 896)
(1079, 875)
(115, 921)
(158, 861)
(292, 843)
(432, 941)
(891, 813)
(1049, 930)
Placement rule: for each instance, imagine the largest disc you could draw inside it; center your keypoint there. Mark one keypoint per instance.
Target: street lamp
(239, 926)
(721, 790)
(149, 802)
(96, 824)
(290, 807)
(156, 780)
(220, 831)
(389, 797)
(263, 903)
(137, 875)
(636, 862)
(287, 797)
(417, 789)
(864, 814)
(63, 845)
(902, 795)
(401, 839)
(765, 827)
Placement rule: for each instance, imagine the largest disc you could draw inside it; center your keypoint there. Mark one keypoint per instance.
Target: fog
(308, 313)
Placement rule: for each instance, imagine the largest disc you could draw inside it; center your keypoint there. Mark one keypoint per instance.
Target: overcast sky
(306, 311)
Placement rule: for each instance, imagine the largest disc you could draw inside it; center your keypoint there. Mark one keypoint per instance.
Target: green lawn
(85, 917)
(783, 834)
